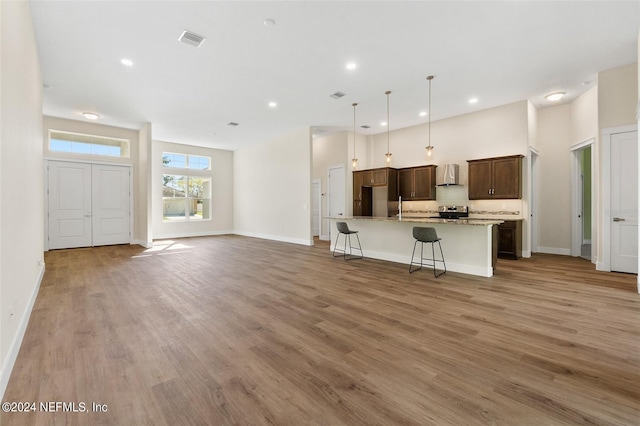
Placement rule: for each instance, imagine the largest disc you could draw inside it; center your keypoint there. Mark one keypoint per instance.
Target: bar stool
(343, 229)
(427, 235)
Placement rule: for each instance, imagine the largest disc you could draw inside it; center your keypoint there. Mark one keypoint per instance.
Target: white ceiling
(499, 52)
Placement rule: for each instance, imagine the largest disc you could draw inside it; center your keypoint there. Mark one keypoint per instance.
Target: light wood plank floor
(238, 331)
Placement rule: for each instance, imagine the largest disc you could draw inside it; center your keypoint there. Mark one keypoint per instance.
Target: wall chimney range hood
(450, 175)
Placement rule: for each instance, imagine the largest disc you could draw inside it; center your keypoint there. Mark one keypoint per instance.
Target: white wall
(554, 142)
(492, 132)
(138, 145)
(142, 201)
(21, 201)
(221, 175)
(272, 188)
(334, 150)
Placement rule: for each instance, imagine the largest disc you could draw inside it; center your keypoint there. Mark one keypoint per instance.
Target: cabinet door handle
(618, 219)
(489, 191)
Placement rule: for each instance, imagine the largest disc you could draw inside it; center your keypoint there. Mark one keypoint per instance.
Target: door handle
(618, 219)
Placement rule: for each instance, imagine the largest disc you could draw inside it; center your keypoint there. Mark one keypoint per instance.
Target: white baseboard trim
(526, 253)
(555, 250)
(12, 354)
(280, 238)
(325, 237)
(145, 244)
(453, 267)
(190, 234)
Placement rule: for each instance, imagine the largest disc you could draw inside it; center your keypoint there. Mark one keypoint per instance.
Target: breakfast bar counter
(469, 245)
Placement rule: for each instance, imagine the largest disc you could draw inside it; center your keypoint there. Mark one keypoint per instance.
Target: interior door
(69, 213)
(315, 208)
(624, 202)
(336, 192)
(110, 204)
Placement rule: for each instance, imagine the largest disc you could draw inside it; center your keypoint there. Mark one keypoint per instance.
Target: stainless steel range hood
(450, 175)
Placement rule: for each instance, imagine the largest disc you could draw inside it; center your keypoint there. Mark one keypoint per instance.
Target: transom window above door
(77, 143)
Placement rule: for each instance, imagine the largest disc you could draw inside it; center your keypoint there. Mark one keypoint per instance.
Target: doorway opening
(582, 200)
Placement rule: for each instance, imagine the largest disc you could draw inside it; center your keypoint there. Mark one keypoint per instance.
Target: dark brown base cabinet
(510, 239)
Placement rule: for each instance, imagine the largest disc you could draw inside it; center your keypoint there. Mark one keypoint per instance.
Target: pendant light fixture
(429, 148)
(388, 154)
(354, 162)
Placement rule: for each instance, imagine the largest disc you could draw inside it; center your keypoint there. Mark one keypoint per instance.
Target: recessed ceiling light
(272, 104)
(352, 66)
(269, 22)
(473, 100)
(383, 123)
(126, 62)
(554, 97)
(90, 115)
(423, 113)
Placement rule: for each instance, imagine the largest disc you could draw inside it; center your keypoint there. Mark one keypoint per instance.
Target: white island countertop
(469, 245)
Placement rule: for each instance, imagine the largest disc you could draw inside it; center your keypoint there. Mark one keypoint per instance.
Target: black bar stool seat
(343, 229)
(427, 235)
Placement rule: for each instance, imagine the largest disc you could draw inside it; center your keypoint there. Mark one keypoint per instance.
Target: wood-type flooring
(233, 330)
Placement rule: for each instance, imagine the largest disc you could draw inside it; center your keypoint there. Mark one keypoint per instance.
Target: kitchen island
(469, 245)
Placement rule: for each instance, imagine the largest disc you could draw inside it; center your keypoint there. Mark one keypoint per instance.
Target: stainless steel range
(453, 212)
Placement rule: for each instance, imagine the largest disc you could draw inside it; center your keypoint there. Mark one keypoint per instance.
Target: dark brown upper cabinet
(495, 178)
(417, 183)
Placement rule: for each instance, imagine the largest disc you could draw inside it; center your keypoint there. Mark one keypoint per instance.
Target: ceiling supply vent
(232, 123)
(337, 95)
(192, 39)
(365, 127)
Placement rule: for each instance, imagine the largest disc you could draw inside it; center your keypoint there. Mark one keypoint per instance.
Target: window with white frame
(77, 143)
(185, 196)
(185, 161)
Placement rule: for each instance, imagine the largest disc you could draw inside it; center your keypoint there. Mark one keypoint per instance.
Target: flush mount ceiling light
(387, 156)
(90, 115)
(272, 104)
(126, 62)
(423, 114)
(352, 66)
(429, 148)
(554, 97)
(354, 162)
(269, 22)
(473, 100)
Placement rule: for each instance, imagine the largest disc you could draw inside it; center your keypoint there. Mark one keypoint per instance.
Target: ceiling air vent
(366, 127)
(191, 39)
(232, 123)
(336, 95)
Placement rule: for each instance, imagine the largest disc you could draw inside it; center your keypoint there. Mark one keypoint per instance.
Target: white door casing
(623, 218)
(69, 199)
(577, 214)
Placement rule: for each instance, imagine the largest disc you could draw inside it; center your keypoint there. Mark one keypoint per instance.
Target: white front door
(88, 205)
(69, 205)
(624, 202)
(110, 189)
